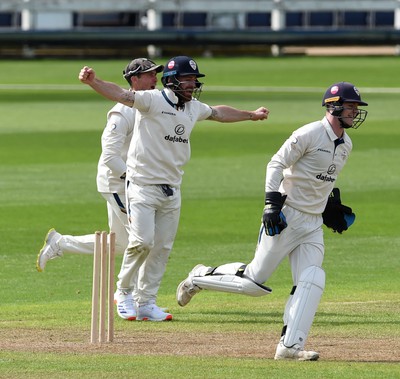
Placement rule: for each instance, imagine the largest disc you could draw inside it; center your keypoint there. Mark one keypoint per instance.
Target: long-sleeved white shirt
(115, 142)
(307, 165)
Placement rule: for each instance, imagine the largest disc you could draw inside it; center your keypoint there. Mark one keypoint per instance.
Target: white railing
(58, 14)
(220, 6)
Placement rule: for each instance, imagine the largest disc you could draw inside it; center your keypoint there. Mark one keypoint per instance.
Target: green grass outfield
(49, 145)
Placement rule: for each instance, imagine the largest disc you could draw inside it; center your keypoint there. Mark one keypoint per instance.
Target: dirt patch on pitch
(228, 344)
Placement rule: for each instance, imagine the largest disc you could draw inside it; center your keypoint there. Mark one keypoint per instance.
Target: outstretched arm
(224, 113)
(109, 90)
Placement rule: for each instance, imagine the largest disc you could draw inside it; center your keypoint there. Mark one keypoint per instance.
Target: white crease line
(82, 87)
(361, 302)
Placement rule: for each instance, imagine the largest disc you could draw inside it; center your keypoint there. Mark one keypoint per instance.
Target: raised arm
(225, 113)
(109, 90)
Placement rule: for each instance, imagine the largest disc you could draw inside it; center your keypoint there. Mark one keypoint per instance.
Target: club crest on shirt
(179, 129)
(331, 169)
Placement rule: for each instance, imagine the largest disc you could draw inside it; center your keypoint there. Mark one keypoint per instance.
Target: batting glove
(273, 218)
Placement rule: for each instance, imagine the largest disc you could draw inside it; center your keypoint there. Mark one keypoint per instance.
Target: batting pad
(304, 304)
(231, 283)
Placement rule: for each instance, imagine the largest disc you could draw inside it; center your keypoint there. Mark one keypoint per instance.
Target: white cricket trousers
(117, 222)
(302, 241)
(153, 219)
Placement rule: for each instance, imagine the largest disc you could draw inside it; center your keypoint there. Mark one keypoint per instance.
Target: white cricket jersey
(115, 142)
(307, 165)
(160, 146)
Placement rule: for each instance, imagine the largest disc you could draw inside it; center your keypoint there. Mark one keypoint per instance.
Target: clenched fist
(87, 75)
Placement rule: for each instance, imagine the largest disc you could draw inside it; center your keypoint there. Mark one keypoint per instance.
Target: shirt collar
(330, 131)
(171, 96)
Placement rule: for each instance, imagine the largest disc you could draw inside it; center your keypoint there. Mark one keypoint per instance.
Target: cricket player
(141, 74)
(299, 197)
(159, 149)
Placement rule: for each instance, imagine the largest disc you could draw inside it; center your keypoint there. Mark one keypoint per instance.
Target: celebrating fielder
(159, 149)
(141, 74)
(299, 197)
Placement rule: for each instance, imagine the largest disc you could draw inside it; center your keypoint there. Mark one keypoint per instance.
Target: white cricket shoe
(294, 353)
(186, 289)
(50, 249)
(151, 312)
(126, 306)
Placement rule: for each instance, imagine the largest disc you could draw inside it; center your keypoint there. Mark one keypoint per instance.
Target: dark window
(355, 18)
(384, 18)
(321, 19)
(100, 19)
(258, 19)
(294, 19)
(168, 19)
(198, 19)
(6, 19)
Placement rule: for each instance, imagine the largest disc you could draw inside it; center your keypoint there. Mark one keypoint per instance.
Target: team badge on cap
(193, 64)
(334, 90)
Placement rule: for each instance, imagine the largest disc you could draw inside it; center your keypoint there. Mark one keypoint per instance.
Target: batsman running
(299, 197)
